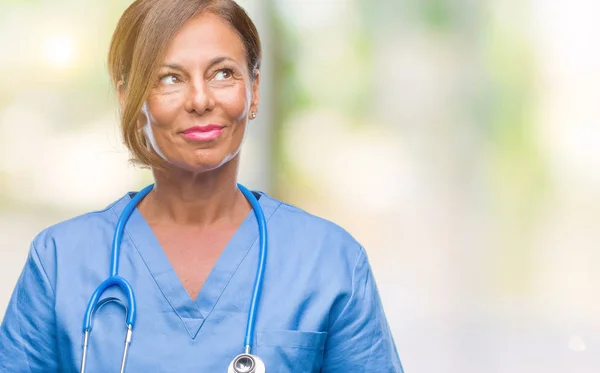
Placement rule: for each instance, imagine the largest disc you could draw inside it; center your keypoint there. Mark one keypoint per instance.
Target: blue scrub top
(319, 309)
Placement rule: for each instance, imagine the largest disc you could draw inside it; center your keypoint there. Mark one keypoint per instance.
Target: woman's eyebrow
(213, 62)
(173, 66)
(218, 60)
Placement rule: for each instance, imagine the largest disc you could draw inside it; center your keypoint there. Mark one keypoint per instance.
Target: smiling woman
(203, 95)
(194, 244)
(219, 48)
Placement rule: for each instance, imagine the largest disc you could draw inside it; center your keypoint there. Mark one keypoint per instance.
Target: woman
(187, 76)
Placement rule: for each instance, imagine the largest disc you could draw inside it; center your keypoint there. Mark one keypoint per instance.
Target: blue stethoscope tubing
(117, 281)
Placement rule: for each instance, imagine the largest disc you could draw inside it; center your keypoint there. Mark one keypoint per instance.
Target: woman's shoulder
(298, 225)
(81, 227)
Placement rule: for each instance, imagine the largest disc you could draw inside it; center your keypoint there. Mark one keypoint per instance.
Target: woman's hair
(138, 47)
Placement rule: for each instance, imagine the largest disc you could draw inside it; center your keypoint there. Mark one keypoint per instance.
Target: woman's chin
(202, 165)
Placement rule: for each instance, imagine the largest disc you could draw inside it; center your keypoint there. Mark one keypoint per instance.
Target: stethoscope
(242, 363)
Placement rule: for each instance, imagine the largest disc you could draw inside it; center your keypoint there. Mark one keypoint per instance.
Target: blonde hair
(138, 46)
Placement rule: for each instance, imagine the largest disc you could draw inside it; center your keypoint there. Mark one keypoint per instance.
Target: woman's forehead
(203, 38)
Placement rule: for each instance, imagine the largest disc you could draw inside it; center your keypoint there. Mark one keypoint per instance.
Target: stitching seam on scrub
(161, 289)
(44, 273)
(156, 282)
(52, 289)
(20, 314)
(241, 261)
(361, 252)
(376, 322)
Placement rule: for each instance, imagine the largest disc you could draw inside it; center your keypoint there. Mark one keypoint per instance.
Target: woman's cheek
(164, 108)
(233, 100)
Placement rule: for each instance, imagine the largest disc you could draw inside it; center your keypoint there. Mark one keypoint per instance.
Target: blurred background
(458, 141)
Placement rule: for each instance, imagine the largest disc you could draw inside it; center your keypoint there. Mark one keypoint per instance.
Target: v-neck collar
(193, 313)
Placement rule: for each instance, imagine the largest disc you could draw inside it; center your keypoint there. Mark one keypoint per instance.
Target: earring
(253, 115)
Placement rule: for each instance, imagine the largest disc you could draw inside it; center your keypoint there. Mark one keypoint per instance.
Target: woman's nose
(199, 98)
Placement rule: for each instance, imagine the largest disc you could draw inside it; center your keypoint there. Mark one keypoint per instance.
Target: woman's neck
(195, 200)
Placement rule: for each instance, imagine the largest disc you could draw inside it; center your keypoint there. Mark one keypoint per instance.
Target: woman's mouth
(203, 133)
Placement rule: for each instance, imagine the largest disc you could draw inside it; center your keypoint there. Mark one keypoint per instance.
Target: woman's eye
(169, 79)
(224, 74)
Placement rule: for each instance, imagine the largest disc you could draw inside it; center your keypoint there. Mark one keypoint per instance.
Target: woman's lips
(203, 133)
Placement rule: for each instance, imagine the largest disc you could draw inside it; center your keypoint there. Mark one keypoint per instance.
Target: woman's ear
(255, 92)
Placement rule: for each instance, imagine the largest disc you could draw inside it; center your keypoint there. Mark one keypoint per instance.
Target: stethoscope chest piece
(246, 363)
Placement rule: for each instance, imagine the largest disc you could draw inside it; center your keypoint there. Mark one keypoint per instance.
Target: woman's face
(195, 117)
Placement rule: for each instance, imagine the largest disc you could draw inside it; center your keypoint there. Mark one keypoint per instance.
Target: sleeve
(28, 331)
(359, 339)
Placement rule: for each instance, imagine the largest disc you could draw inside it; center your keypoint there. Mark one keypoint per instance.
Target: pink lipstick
(203, 133)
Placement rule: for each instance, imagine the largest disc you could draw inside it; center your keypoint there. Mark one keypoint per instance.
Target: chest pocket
(291, 351)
